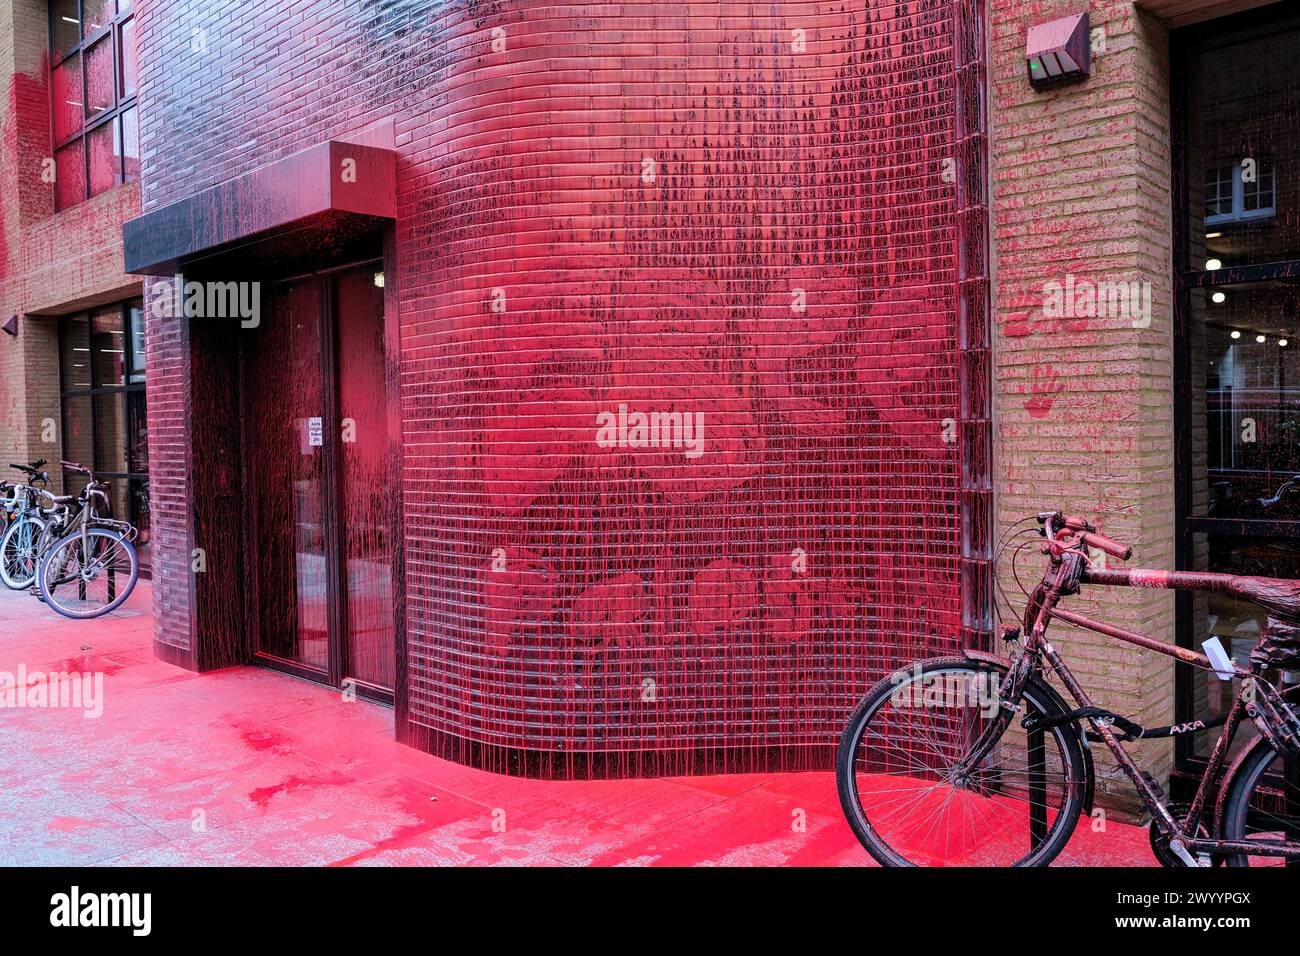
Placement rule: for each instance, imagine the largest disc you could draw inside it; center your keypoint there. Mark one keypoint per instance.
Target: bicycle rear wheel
(1263, 806)
(911, 798)
(91, 578)
(19, 555)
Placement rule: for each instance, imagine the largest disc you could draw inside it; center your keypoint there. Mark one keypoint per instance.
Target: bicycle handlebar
(73, 466)
(1087, 532)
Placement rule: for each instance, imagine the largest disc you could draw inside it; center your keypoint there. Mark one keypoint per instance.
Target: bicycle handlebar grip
(1110, 546)
(73, 466)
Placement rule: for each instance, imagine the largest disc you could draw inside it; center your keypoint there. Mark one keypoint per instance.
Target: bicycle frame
(1062, 580)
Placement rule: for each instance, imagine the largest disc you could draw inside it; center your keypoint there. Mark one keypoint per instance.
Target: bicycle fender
(1050, 692)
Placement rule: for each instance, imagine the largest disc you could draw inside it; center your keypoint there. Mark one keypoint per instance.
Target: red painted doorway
(315, 427)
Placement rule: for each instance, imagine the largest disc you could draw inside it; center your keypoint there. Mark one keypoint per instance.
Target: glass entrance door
(317, 456)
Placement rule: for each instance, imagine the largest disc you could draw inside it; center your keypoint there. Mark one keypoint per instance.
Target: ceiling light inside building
(1218, 297)
(1213, 264)
(1236, 334)
(1261, 339)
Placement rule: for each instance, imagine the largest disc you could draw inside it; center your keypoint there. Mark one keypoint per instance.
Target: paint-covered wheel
(1262, 806)
(85, 579)
(19, 554)
(913, 796)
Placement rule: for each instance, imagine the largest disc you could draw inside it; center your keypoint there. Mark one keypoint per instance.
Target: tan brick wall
(50, 264)
(1081, 186)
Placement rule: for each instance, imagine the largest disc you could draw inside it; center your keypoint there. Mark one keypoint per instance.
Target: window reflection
(1244, 150)
(1248, 384)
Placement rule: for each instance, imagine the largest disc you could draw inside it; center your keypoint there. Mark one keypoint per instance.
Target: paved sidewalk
(250, 767)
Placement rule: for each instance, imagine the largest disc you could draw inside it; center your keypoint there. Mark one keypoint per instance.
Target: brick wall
(225, 89)
(1081, 186)
(50, 264)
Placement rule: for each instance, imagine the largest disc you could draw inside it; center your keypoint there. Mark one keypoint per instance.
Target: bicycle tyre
(11, 581)
(115, 539)
(1243, 792)
(1038, 697)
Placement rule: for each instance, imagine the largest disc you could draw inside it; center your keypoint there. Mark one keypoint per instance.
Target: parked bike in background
(29, 509)
(69, 548)
(93, 567)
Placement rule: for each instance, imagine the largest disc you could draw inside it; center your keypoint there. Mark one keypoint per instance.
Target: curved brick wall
(705, 219)
(736, 214)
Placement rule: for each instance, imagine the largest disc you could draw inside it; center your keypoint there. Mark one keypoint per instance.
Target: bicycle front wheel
(914, 796)
(85, 579)
(18, 553)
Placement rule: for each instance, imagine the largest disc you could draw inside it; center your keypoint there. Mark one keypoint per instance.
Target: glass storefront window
(105, 426)
(1238, 424)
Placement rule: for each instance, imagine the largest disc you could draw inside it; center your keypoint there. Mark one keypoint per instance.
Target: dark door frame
(331, 502)
(1183, 44)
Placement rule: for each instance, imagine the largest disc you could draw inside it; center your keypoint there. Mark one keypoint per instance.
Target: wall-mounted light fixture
(1059, 51)
(10, 327)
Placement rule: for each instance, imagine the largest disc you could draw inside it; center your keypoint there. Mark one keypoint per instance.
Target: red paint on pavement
(250, 767)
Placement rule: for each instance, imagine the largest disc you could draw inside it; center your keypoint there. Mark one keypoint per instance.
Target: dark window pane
(70, 173)
(110, 432)
(105, 162)
(1245, 401)
(74, 343)
(139, 516)
(130, 145)
(99, 78)
(136, 314)
(129, 68)
(107, 342)
(67, 98)
(1244, 150)
(77, 433)
(137, 434)
(98, 13)
(67, 28)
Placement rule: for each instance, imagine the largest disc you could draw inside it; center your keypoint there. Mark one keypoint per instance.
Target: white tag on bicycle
(1219, 658)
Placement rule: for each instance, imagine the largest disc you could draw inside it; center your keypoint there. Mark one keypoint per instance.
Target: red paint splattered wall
(743, 220)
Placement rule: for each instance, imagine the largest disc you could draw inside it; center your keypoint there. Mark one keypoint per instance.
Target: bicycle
(96, 556)
(976, 759)
(21, 543)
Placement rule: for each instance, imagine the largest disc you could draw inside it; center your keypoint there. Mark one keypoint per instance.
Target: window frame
(111, 33)
(132, 382)
(1184, 42)
(1239, 211)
